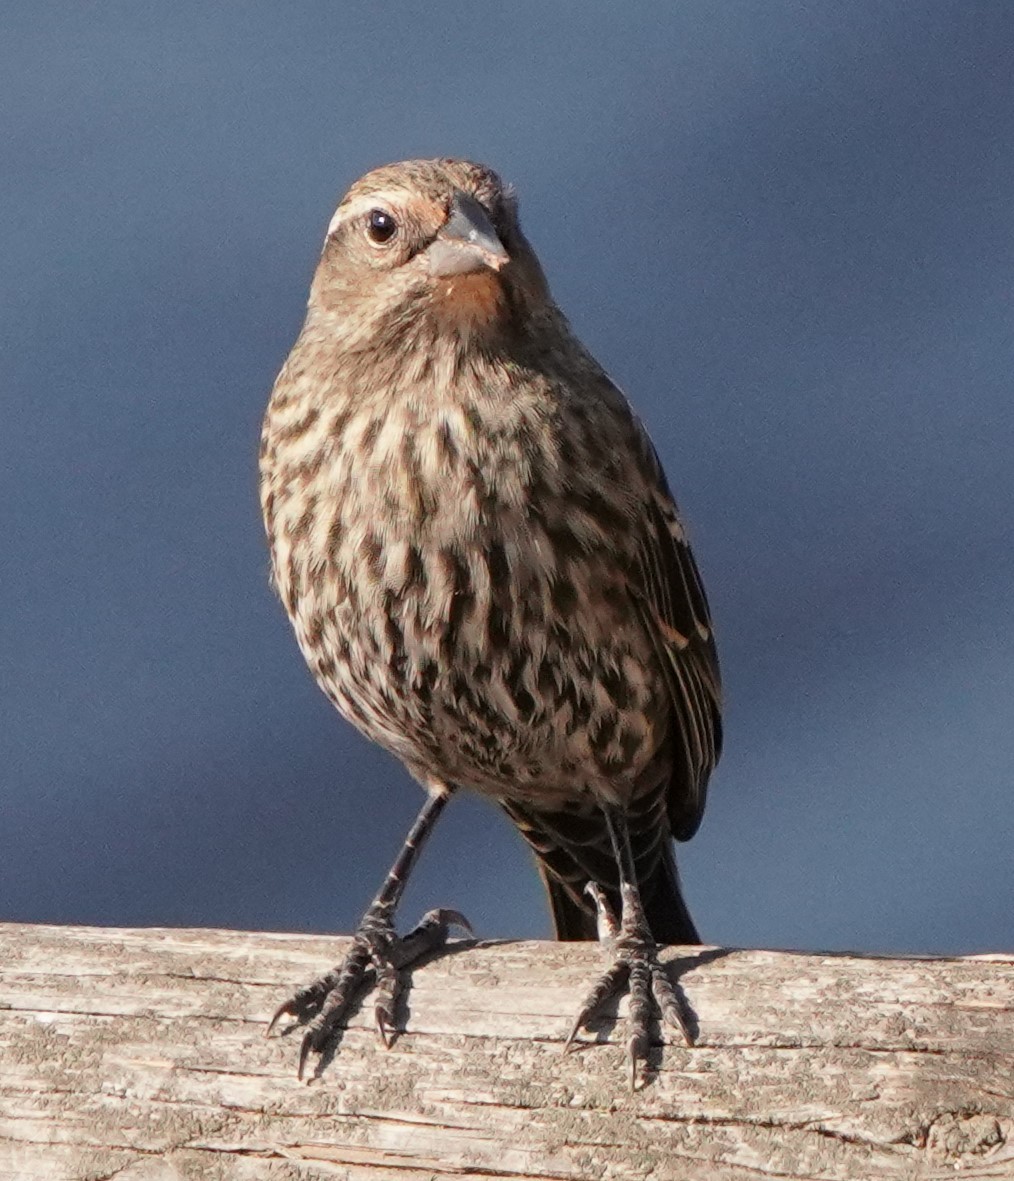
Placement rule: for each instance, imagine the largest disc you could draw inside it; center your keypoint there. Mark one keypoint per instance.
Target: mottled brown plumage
(473, 538)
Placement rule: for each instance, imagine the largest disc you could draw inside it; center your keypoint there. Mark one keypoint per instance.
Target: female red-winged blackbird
(486, 572)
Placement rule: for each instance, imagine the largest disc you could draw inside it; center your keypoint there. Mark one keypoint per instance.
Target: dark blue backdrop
(786, 229)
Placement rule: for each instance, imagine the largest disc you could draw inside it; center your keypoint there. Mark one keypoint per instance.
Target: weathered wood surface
(140, 1055)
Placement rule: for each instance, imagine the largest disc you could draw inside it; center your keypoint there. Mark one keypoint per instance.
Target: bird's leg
(635, 963)
(377, 955)
(605, 919)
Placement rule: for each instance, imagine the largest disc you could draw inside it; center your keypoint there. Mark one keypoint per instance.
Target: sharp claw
(375, 960)
(280, 1012)
(383, 1020)
(637, 1051)
(652, 994)
(570, 1045)
(668, 1000)
(304, 1053)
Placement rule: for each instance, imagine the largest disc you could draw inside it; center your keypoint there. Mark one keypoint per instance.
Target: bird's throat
(470, 304)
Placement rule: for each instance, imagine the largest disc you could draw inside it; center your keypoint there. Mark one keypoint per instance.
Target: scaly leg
(636, 963)
(377, 956)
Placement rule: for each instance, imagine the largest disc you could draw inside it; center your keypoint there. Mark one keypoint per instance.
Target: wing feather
(669, 599)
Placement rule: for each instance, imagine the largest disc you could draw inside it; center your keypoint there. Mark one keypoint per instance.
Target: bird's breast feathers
(458, 591)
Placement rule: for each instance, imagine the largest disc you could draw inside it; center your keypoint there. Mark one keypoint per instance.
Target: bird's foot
(378, 958)
(636, 965)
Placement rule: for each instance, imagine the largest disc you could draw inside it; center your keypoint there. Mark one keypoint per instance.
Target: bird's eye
(380, 226)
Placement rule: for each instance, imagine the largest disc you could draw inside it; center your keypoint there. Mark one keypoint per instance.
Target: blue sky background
(785, 228)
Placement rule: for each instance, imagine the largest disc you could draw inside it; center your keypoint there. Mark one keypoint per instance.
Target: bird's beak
(467, 242)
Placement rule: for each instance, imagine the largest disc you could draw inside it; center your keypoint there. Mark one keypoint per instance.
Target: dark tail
(573, 850)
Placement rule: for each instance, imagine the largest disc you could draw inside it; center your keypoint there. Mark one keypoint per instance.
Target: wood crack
(807, 1067)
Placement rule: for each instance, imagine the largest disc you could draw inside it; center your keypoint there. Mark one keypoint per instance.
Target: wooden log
(140, 1055)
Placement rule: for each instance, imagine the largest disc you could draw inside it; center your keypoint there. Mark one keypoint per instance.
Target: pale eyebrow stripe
(359, 206)
(342, 213)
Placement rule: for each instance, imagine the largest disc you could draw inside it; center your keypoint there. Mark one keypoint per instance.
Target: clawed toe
(305, 1002)
(606, 988)
(637, 967)
(377, 958)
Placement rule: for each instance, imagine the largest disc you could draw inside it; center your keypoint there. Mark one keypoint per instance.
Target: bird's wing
(669, 599)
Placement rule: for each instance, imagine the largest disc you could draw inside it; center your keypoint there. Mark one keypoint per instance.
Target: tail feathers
(664, 907)
(567, 866)
(573, 920)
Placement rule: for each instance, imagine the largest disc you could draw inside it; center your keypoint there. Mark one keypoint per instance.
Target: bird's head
(431, 244)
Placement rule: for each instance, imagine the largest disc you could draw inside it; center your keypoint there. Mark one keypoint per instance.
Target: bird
(474, 540)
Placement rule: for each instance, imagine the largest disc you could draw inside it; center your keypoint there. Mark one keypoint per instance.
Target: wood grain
(141, 1055)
